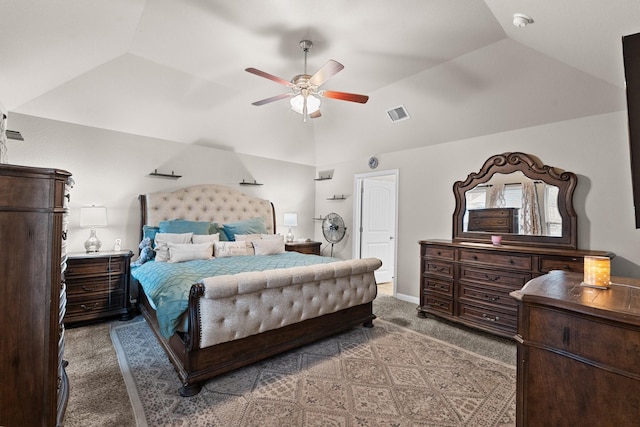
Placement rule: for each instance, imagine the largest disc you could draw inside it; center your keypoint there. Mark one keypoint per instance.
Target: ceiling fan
(306, 92)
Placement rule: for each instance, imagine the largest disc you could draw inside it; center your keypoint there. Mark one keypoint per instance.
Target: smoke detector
(521, 20)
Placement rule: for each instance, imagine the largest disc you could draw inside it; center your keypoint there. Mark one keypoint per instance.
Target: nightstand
(312, 248)
(98, 286)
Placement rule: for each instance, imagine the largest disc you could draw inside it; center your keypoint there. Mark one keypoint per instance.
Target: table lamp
(93, 217)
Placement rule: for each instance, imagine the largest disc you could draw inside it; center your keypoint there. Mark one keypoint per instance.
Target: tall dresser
(578, 352)
(33, 222)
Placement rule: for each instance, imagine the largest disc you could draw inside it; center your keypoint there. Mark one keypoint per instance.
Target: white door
(378, 225)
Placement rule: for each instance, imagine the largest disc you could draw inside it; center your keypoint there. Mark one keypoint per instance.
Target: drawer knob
(88, 289)
(489, 318)
(490, 298)
(492, 278)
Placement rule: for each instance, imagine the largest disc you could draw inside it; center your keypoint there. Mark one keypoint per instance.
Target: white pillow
(227, 249)
(205, 238)
(162, 243)
(268, 246)
(179, 252)
(246, 237)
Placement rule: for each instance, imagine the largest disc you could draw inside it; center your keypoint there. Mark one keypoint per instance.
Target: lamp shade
(93, 216)
(597, 271)
(290, 219)
(297, 104)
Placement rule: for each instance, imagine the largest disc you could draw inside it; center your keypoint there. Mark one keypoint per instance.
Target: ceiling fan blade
(315, 114)
(328, 70)
(344, 96)
(270, 77)
(273, 98)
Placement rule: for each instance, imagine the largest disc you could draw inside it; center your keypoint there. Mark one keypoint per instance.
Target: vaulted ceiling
(174, 69)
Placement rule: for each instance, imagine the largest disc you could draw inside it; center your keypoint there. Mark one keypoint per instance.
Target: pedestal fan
(333, 229)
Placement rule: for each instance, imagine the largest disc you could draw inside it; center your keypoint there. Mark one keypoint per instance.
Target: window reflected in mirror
(534, 203)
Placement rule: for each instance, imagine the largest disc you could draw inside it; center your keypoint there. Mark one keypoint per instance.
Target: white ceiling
(174, 69)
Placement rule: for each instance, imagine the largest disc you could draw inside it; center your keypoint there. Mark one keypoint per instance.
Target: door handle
(390, 237)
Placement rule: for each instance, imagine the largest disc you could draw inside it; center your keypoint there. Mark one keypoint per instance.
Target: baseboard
(407, 298)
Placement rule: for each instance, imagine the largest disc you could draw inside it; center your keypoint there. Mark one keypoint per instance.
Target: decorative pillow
(272, 236)
(227, 249)
(268, 246)
(184, 226)
(150, 232)
(214, 228)
(163, 240)
(247, 237)
(198, 238)
(250, 226)
(179, 252)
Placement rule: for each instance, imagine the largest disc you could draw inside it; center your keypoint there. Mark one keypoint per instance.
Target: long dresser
(33, 225)
(470, 283)
(578, 352)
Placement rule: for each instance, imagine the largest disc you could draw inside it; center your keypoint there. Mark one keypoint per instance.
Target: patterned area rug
(383, 376)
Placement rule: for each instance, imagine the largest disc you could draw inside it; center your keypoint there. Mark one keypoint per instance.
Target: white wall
(111, 169)
(595, 148)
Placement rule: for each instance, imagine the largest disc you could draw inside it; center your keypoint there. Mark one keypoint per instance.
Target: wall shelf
(164, 175)
(250, 183)
(337, 197)
(323, 178)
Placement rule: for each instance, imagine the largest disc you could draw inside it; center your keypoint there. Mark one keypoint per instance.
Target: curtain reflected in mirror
(534, 204)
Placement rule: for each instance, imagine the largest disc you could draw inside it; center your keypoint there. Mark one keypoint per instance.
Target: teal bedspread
(167, 284)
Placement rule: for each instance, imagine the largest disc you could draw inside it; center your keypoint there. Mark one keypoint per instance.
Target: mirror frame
(533, 168)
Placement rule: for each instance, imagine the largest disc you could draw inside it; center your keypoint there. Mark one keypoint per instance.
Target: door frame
(357, 216)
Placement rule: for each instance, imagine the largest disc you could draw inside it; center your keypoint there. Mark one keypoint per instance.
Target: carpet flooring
(99, 394)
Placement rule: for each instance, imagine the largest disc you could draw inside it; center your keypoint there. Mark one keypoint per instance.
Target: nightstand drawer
(84, 309)
(575, 264)
(94, 286)
(95, 267)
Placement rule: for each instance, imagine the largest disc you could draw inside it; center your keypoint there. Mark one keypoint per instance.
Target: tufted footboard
(237, 306)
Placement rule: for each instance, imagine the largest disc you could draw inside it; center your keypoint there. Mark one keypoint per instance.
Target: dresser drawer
(443, 252)
(521, 262)
(487, 294)
(488, 317)
(439, 268)
(436, 303)
(511, 280)
(438, 285)
(599, 342)
(575, 264)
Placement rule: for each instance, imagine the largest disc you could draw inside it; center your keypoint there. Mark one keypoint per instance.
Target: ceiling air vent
(14, 134)
(398, 114)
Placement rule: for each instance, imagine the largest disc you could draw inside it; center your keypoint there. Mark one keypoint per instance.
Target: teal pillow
(250, 226)
(217, 228)
(180, 226)
(150, 232)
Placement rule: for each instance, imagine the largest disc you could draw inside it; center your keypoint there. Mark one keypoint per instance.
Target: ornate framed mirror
(516, 196)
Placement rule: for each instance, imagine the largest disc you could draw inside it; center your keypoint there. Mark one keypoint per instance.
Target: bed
(236, 317)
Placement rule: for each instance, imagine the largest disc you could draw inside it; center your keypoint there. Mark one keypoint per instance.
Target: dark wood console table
(578, 352)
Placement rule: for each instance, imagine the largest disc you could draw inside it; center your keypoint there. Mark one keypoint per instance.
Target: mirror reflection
(513, 204)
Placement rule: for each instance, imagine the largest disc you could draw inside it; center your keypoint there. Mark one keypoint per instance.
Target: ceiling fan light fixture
(297, 104)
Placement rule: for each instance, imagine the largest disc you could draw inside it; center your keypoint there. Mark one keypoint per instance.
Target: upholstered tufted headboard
(208, 202)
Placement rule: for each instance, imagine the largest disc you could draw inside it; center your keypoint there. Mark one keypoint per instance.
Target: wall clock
(373, 162)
